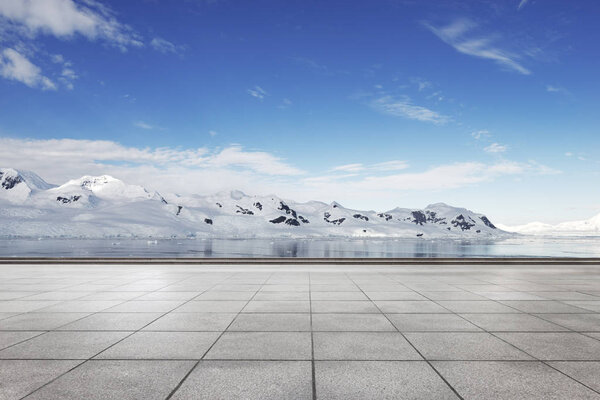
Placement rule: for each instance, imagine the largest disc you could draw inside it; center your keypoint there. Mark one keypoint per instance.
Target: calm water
(530, 247)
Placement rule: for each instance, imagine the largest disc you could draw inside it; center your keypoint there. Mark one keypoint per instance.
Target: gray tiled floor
(299, 332)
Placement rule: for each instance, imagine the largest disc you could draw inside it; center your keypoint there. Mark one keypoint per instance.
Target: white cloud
(194, 170)
(349, 167)
(164, 46)
(394, 165)
(15, 66)
(522, 4)
(213, 133)
(257, 92)
(495, 148)
(568, 154)
(556, 89)
(456, 35)
(143, 125)
(66, 18)
(402, 107)
(480, 134)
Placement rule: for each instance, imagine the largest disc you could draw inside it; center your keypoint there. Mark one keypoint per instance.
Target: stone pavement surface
(299, 332)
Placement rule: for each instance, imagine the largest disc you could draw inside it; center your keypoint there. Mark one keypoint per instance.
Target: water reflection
(333, 248)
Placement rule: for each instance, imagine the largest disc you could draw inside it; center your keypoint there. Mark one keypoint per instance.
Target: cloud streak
(257, 92)
(458, 35)
(402, 107)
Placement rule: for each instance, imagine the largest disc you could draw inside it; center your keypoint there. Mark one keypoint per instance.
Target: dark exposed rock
(335, 221)
(258, 205)
(278, 220)
(220, 205)
(11, 181)
(359, 216)
(208, 221)
(432, 217)
(304, 220)
(179, 209)
(292, 221)
(67, 200)
(478, 231)
(487, 222)
(462, 223)
(386, 216)
(419, 234)
(244, 211)
(287, 209)
(419, 217)
(326, 215)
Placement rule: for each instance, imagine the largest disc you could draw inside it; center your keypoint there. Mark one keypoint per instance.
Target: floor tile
(537, 307)
(39, 321)
(143, 306)
(431, 323)
(362, 346)
(271, 322)
(192, 322)
(510, 380)
(410, 307)
(63, 345)
(344, 307)
(357, 380)
(112, 322)
(11, 338)
(123, 380)
(262, 346)
(218, 306)
(277, 306)
(351, 322)
(586, 372)
(511, 322)
(476, 307)
(162, 346)
(21, 377)
(251, 380)
(463, 346)
(555, 346)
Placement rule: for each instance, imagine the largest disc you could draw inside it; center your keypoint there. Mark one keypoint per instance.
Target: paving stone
(410, 306)
(63, 345)
(511, 322)
(431, 322)
(362, 346)
(463, 346)
(11, 338)
(262, 346)
(192, 322)
(162, 346)
(555, 346)
(271, 322)
(537, 307)
(463, 307)
(586, 372)
(112, 322)
(21, 377)
(277, 306)
(357, 380)
(343, 307)
(218, 306)
(143, 306)
(118, 380)
(251, 380)
(510, 380)
(39, 321)
(351, 322)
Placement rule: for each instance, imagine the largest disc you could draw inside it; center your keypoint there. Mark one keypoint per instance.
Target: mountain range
(103, 206)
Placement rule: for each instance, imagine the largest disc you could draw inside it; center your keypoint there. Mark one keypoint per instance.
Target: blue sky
(491, 105)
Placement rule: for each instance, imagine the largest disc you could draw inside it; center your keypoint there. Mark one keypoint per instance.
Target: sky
(488, 105)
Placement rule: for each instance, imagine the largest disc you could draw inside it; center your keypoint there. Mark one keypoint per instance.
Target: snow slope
(589, 227)
(103, 206)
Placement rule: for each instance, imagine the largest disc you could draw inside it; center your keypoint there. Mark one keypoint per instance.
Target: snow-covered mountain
(589, 227)
(104, 206)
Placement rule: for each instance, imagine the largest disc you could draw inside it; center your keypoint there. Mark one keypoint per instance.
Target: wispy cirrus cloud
(386, 166)
(495, 148)
(522, 4)
(257, 92)
(480, 134)
(143, 125)
(402, 106)
(165, 47)
(459, 35)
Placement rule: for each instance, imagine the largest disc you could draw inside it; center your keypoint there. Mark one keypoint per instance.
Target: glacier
(106, 207)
